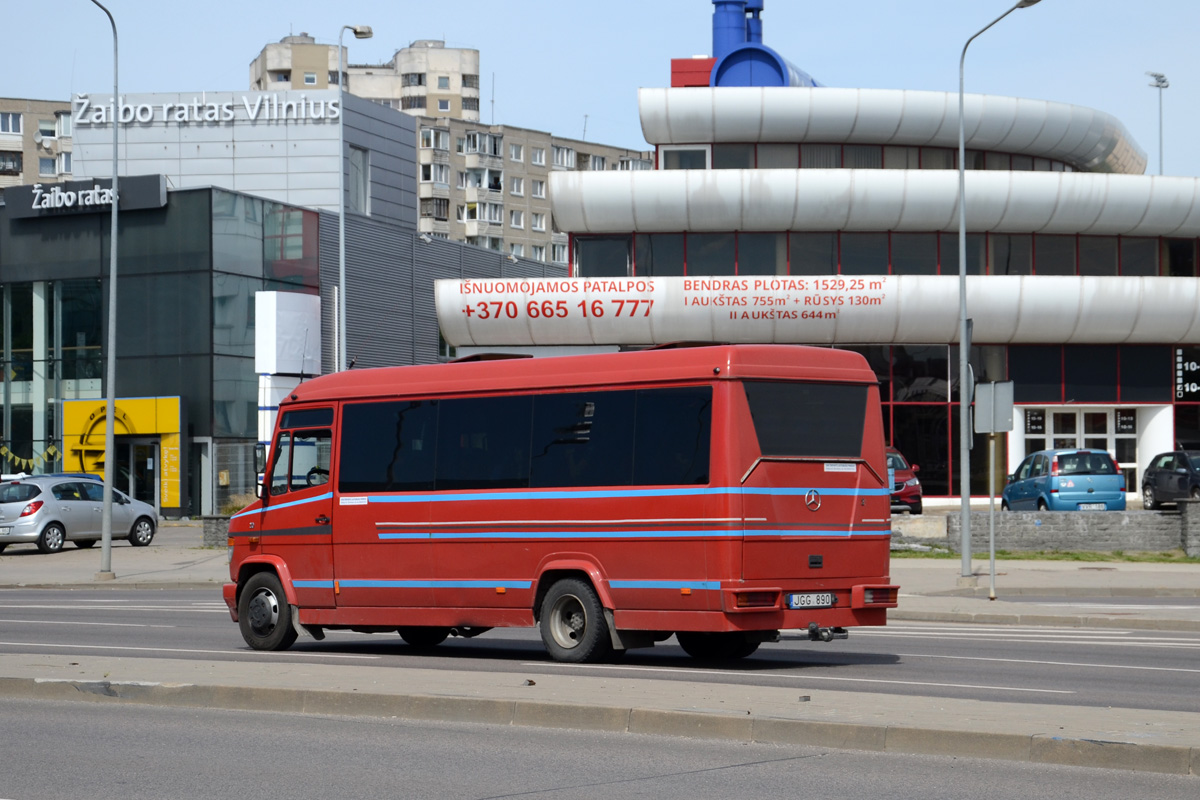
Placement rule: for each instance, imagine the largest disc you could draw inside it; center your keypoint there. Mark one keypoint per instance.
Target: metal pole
(964, 343)
(110, 378)
(992, 509)
(1160, 132)
(340, 344)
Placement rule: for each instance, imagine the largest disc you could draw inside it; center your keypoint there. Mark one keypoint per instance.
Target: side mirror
(1010, 478)
(260, 458)
(915, 468)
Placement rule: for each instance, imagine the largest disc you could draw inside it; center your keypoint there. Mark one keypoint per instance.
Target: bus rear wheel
(264, 614)
(716, 646)
(422, 637)
(572, 623)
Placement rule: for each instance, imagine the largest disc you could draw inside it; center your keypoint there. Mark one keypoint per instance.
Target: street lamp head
(365, 32)
(1160, 80)
(1027, 3)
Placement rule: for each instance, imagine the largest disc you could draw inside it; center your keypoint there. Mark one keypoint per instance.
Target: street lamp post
(964, 339)
(360, 32)
(1160, 83)
(110, 378)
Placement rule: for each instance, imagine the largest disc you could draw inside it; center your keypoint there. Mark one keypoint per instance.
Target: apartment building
(35, 141)
(424, 78)
(487, 185)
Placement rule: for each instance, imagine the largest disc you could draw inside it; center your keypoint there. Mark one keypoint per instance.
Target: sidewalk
(595, 698)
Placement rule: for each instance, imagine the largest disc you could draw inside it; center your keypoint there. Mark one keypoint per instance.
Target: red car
(906, 488)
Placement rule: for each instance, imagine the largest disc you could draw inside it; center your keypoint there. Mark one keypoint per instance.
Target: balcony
(480, 194)
(426, 191)
(431, 225)
(484, 161)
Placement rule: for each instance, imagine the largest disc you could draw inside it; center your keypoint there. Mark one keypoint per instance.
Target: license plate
(5, 530)
(811, 600)
(1092, 506)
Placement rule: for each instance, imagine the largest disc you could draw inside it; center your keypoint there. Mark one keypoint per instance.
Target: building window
(539, 252)
(820, 156)
(283, 77)
(470, 81)
(517, 250)
(63, 121)
(412, 79)
(64, 163)
(412, 103)
(10, 163)
(537, 156)
(558, 253)
(47, 167)
(436, 207)
(444, 105)
(537, 221)
(516, 152)
(516, 219)
(733, 156)
(539, 189)
(310, 79)
(443, 81)
(10, 122)
(47, 129)
(599, 163)
(435, 139)
(632, 164)
(563, 157)
(683, 158)
(470, 104)
(358, 197)
(518, 186)
(435, 173)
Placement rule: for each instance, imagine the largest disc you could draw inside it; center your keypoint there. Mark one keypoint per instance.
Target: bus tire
(423, 636)
(572, 623)
(716, 646)
(264, 614)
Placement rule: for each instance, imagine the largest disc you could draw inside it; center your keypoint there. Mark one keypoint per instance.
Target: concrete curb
(1046, 620)
(1037, 748)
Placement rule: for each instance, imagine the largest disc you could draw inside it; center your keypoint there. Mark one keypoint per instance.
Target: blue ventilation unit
(742, 58)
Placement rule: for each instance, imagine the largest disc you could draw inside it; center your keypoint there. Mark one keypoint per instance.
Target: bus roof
(659, 365)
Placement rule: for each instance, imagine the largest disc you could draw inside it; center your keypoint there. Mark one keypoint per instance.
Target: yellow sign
(84, 423)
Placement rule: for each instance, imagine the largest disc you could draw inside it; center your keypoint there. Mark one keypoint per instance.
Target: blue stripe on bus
(650, 584)
(316, 499)
(644, 534)
(600, 494)
(432, 584)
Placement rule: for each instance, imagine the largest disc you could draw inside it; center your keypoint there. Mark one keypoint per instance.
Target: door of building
(138, 469)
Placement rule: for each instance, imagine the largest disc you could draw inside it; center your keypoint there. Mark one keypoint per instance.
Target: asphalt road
(124, 752)
(1086, 667)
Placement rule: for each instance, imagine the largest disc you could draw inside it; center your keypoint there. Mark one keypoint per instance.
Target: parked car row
(50, 510)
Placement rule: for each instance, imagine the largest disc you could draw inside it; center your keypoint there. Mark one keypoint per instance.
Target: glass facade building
(187, 274)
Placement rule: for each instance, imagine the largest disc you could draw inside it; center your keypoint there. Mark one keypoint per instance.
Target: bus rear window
(807, 419)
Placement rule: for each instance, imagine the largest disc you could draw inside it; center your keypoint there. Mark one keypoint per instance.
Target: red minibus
(719, 494)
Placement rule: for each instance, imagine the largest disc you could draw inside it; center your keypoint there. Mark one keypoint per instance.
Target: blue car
(1065, 480)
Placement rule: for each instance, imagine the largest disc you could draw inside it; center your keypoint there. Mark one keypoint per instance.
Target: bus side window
(303, 460)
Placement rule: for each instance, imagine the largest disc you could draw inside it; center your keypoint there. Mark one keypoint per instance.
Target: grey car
(50, 510)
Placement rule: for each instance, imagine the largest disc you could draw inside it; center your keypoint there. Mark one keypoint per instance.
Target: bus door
(295, 520)
(810, 490)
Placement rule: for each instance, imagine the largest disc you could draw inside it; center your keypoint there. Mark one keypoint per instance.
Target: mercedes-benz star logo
(812, 500)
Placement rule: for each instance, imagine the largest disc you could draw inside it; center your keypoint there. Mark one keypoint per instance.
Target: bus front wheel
(572, 623)
(264, 614)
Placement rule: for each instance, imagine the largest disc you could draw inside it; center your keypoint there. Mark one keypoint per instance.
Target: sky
(573, 67)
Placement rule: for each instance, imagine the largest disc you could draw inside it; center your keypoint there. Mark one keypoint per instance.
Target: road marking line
(72, 622)
(1051, 663)
(179, 650)
(725, 673)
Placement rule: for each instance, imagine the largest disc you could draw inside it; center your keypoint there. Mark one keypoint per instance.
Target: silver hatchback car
(50, 510)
